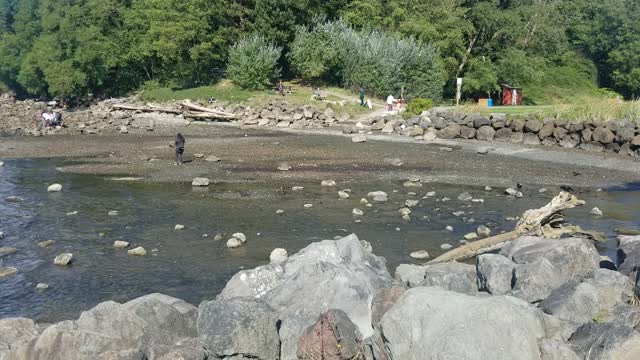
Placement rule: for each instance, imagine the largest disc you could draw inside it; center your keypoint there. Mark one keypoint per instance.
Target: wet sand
(253, 155)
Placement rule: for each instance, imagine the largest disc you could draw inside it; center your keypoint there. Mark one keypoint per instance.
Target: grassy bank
(589, 108)
(340, 100)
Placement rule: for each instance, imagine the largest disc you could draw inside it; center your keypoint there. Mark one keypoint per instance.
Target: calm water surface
(189, 265)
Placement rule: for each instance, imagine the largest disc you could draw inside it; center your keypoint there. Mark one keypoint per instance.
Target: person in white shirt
(390, 101)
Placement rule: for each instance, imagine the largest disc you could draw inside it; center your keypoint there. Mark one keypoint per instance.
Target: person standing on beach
(281, 88)
(390, 101)
(180, 141)
(362, 103)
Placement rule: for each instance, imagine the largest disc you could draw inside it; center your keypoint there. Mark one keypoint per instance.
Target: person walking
(362, 103)
(390, 101)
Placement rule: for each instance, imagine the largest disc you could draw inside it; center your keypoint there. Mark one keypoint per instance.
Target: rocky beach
(262, 196)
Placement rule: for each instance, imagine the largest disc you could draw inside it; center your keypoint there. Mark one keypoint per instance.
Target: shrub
(383, 64)
(418, 105)
(252, 63)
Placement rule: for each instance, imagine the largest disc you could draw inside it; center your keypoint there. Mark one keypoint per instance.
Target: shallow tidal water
(189, 265)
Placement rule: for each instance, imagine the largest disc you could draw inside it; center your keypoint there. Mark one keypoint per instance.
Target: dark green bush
(418, 105)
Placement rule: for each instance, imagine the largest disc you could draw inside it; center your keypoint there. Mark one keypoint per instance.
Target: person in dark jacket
(362, 103)
(180, 141)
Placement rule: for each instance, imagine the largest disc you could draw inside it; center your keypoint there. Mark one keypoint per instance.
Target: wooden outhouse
(511, 95)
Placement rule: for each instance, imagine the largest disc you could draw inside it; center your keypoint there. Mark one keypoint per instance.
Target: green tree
(253, 62)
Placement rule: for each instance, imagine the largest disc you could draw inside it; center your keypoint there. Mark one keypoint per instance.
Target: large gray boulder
(543, 265)
(495, 273)
(331, 274)
(452, 131)
(557, 350)
(456, 277)
(485, 133)
(582, 300)
(431, 323)
(613, 340)
(16, 332)
(140, 328)
(240, 326)
(628, 253)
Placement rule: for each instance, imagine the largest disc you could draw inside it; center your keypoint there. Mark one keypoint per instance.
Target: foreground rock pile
(282, 114)
(612, 136)
(536, 299)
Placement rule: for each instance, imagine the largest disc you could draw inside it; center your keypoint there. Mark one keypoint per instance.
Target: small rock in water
(430, 194)
(7, 250)
(420, 255)
(113, 213)
(412, 184)
(13, 199)
(513, 192)
(328, 183)
(7, 271)
(457, 213)
(394, 162)
(119, 244)
(54, 188)
(47, 243)
(1, 163)
(212, 158)
(404, 211)
(308, 206)
(596, 212)
(278, 255)
(284, 166)
(123, 129)
(359, 138)
(218, 237)
(42, 287)
(297, 188)
(240, 236)
(1, 235)
(445, 148)
(445, 199)
(279, 211)
(178, 227)
(446, 246)
(357, 212)
(483, 231)
(449, 228)
(200, 181)
(471, 236)
(63, 259)
(471, 220)
(369, 205)
(343, 194)
(479, 201)
(483, 150)
(234, 243)
(378, 196)
(465, 196)
(411, 203)
(71, 213)
(198, 155)
(488, 188)
(364, 201)
(413, 178)
(139, 251)
(542, 190)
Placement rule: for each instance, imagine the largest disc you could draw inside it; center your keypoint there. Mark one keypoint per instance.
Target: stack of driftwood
(187, 109)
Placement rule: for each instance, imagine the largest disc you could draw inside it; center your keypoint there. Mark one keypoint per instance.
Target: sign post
(458, 91)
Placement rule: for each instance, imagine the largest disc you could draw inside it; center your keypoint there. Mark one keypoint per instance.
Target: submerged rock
(420, 254)
(513, 192)
(119, 244)
(47, 243)
(7, 271)
(63, 259)
(343, 194)
(178, 227)
(200, 181)
(139, 251)
(327, 183)
(7, 250)
(54, 188)
(360, 138)
(596, 212)
(42, 287)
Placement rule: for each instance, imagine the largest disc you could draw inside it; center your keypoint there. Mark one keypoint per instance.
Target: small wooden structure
(511, 95)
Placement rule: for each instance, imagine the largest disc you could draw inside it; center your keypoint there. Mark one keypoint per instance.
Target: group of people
(390, 101)
(51, 119)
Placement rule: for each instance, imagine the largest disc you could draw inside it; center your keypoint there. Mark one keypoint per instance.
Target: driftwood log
(149, 108)
(189, 110)
(546, 221)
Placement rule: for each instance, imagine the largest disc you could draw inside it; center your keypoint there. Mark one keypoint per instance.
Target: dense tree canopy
(109, 47)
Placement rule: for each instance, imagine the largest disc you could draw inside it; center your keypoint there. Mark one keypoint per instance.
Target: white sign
(459, 81)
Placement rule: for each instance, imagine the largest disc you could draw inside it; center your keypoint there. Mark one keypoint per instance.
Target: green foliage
(418, 105)
(252, 63)
(222, 92)
(382, 64)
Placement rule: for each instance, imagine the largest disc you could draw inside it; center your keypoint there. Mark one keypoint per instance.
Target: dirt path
(380, 109)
